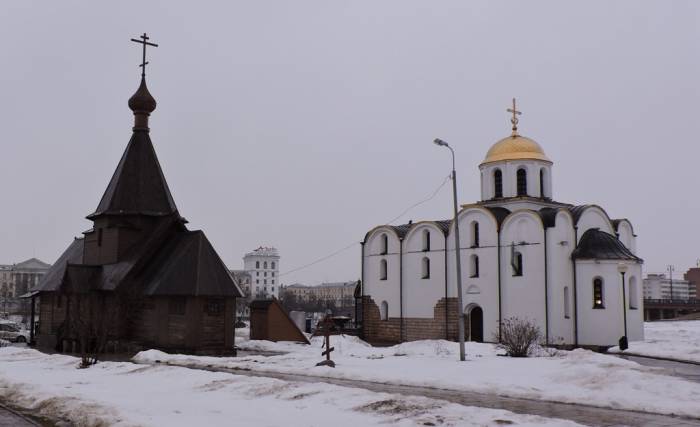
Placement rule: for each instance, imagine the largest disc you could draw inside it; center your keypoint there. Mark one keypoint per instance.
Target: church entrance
(474, 324)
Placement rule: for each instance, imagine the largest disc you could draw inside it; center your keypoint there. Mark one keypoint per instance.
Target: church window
(522, 182)
(425, 268)
(257, 264)
(517, 264)
(382, 270)
(598, 296)
(497, 184)
(567, 307)
(426, 240)
(474, 266)
(634, 293)
(384, 244)
(542, 178)
(384, 311)
(475, 234)
(177, 305)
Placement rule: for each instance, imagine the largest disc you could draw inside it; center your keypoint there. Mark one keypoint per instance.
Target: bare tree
(519, 337)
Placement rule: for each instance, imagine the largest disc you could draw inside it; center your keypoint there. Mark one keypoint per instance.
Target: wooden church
(138, 278)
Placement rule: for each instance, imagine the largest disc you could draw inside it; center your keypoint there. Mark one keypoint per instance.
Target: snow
(578, 376)
(127, 394)
(678, 340)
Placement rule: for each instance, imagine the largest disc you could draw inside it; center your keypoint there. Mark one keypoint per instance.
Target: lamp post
(460, 326)
(622, 268)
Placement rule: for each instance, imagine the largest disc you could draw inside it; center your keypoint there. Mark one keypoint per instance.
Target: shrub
(519, 337)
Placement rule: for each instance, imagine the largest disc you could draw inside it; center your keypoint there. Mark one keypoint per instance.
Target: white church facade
(523, 255)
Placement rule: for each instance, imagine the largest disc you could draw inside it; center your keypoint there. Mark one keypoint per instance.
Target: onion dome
(515, 147)
(142, 104)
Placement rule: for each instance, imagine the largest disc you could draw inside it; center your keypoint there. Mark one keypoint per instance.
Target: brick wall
(389, 331)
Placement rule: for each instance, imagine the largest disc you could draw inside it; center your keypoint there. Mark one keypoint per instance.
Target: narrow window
(177, 305)
(265, 265)
(598, 296)
(214, 306)
(497, 184)
(384, 311)
(542, 183)
(384, 244)
(517, 264)
(522, 182)
(425, 268)
(99, 237)
(474, 266)
(257, 264)
(566, 302)
(273, 267)
(382, 270)
(475, 234)
(634, 293)
(426, 240)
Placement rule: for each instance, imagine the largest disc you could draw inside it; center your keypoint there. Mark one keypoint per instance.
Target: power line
(429, 198)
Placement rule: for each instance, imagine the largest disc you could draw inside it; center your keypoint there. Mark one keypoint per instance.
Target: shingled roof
(138, 185)
(596, 244)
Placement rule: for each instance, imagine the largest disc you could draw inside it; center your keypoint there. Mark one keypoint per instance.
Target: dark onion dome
(596, 244)
(142, 101)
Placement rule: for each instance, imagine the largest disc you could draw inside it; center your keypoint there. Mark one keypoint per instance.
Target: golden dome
(515, 147)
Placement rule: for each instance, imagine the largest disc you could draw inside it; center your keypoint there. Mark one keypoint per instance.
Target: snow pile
(679, 340)
(125, 394)
(578, 376)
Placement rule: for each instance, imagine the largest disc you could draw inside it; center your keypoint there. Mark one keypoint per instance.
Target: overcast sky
(301, 125)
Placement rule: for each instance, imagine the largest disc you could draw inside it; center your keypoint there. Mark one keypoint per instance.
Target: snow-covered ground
(125, 394)
(578, 376)
(678, 340)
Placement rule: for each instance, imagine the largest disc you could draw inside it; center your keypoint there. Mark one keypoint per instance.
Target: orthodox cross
(327, 326)
(144, 41)
(514, 120)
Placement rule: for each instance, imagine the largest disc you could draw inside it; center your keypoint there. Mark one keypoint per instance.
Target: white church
(523, 255)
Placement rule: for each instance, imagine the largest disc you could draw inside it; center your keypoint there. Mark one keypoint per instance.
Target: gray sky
(303, 124)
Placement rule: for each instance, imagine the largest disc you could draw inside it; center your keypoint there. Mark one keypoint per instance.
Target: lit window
(598, 296)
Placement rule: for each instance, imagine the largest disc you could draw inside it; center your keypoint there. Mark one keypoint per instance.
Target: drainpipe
(401, 331)
(447, 306)
(573, 262)
(546, 292)
(500, 304)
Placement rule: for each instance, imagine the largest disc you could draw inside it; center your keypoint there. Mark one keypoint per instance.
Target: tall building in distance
(658, 286)
(262, 266)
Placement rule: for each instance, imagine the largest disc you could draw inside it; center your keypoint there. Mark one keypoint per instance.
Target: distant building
(693, 278)
(263, 266)
(16, 280)
(658, 286)
(340, 294)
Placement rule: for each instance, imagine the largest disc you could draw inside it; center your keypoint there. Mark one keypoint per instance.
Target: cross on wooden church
(144, 41)
(514, 120)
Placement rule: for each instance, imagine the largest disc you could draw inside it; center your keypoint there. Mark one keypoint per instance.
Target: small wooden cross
(514, 120)
(144, 41)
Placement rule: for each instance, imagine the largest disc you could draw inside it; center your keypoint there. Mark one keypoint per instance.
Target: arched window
(474, 266)
(517, 264)
(497, 184)
(265, 265)
(567, 307)
(273, 265)
(384, 244)
(426, 240)
(425, 268)
(522, 182)
(634, 293)
(384, 311)
(598, 295)
(382, 270)
(542, 182)
(475, 234)
(257, 264)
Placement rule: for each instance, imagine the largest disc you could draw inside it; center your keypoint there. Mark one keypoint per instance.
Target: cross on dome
(514, 120)
(144, 41)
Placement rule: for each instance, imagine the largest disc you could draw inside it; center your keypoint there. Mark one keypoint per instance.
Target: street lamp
(622, 268)
(460, 327)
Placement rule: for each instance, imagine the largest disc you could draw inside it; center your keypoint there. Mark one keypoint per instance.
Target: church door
(476, 324)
